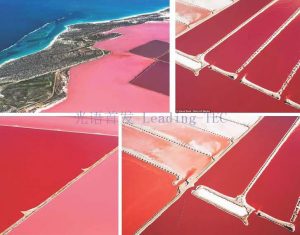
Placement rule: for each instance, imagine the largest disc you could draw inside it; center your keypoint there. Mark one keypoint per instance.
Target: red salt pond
(202, 37)
(292, 91)
(279, 199)
(81, 124)
(37, 163)
(211, 91)
(180, 160)
(146, 190)
(190, 215)
(235, 170)
(190, 13)
(103, 85)
(270, 72)
(88, 206)
(234, 52)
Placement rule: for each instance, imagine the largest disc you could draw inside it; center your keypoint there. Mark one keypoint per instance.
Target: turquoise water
(30, 26)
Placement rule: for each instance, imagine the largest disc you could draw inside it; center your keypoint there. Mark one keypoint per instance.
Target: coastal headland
(40, 80)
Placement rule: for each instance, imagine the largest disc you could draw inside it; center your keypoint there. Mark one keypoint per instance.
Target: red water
(36, 164)
(235, 170)
(272, 66)
(276, 191)
(213, 92)
(235, 51)
(193, 216)
(89, 206)
(146, 190)
(190, 215)
(202, 37)
(292, 90)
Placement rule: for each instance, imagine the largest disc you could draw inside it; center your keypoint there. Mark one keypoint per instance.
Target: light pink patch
(89, 206)
(191, 13)
(180, 27)
(103, 85)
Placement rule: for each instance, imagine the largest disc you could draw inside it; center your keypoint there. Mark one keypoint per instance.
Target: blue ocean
(28, 26)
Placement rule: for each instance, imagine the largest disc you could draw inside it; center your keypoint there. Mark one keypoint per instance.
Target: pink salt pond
(88, 206)
(180, 27)
(103, 85)
(191, 14)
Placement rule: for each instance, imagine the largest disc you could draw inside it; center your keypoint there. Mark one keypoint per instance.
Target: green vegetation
(25, 94)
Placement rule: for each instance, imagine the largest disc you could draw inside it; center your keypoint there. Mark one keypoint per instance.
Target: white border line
(120, 182)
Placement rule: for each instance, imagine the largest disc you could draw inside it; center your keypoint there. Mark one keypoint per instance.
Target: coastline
(67, 28)
(71, 48)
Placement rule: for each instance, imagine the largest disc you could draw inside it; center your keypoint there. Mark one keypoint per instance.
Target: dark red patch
(153, 49)
(165, 57)
(155, 78)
